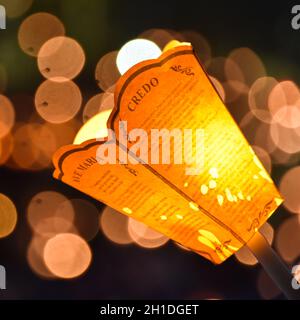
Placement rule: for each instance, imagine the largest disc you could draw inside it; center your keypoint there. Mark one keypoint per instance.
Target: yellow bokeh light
(7, 116)
(8, 216)
(93, 128)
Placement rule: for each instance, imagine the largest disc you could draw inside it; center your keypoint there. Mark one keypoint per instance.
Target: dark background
(102, 26)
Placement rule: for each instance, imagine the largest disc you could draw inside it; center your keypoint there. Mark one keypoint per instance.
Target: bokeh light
(145, 236)
(135, 51)
(114, 225)
(288, 239)
(61, 59)
(36, 29)
(284, 138)
(50, 213)
(6, 148)
(259, 97)
(107, 73)
(24, 154)
(8, 216)
(58, 102)
(249, 63)
(7, 116)
(35, 257)
(98, 103)
(67, 255)
(289, 188)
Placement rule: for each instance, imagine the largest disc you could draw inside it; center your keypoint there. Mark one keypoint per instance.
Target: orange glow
(7, 116)
(67, 255)
(6, 148)
(201, 211)
(114, 226)
(61, 59)
(8, 216)
(58, 102)
(36, 29)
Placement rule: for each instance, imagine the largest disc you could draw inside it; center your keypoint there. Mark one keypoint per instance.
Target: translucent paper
(213, 212)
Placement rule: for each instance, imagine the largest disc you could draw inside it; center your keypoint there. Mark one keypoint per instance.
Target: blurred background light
(16, 8)
(61, 59)
(50, 213)
(8, 216)
(289, 187)
(96, 104)
(135, 51)
(114, 225)
(144, 236)
(67, 255)
(94, 128)
(7, 116)
(107, 73)
(288, 238)
(58, 102)
(36, 29)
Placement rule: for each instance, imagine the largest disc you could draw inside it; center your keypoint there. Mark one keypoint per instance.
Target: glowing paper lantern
(213, 206)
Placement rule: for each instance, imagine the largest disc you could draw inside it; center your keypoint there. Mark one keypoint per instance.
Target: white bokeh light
(135, 51)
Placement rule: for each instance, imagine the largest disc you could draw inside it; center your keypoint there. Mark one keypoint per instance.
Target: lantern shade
(212, 202)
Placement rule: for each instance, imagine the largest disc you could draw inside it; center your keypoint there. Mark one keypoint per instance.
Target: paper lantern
(215, 199)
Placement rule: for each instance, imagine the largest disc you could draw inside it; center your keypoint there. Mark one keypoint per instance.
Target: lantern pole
(273, 265)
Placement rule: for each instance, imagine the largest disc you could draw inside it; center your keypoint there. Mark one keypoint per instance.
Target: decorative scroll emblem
(185, 70)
